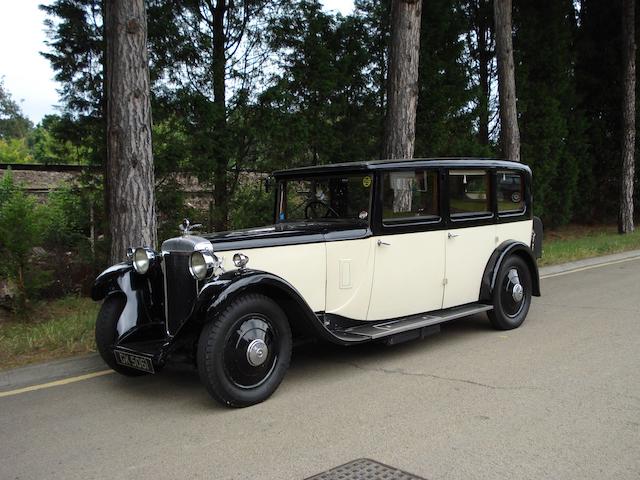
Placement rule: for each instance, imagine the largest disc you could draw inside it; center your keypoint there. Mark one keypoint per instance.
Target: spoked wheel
(244, 354)
(511, 294)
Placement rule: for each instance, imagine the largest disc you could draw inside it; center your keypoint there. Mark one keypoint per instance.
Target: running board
(373, 331)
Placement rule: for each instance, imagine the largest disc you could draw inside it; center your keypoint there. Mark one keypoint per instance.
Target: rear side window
(510, 186)
(469, 193)
(410, 196)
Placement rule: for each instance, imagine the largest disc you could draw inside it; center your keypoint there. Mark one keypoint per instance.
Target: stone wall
(39, 180)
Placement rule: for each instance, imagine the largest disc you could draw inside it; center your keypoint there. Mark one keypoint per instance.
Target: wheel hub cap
(517, 293)
(257, 352)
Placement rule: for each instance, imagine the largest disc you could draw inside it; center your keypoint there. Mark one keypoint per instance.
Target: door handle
(453, 235)
(380, 243)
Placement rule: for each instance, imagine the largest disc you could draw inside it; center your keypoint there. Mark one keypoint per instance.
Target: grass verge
(55, 329)
(571, 243)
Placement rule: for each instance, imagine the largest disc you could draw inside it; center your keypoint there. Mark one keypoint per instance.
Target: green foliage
(252, 206)
(14, 150)
(66, 217)
(55, 141)
(22, 227)
(547, 102)
(26, 224)
(319, 108)
(445, 119)
(13, 123)
(598, 79)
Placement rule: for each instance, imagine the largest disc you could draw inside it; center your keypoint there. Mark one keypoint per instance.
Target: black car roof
(372, 165)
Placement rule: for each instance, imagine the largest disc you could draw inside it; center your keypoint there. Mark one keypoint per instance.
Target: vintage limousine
(358, 252)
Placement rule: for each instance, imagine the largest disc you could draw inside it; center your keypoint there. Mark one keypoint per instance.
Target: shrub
(22, 227)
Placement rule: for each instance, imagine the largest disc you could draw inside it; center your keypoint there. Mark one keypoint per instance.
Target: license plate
(134, 361)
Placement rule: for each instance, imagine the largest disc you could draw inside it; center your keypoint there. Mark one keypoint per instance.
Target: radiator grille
(181, 289)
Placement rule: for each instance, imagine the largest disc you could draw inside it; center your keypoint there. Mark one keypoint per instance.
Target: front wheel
(244, 354)
(107, 333)
(511, 294)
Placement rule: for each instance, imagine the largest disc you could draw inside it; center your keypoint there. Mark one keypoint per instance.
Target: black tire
(508, 312)
(107, 332)
(225, 348)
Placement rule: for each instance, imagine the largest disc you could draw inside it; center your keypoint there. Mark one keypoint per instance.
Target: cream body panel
(303, 266)
(408, 274)
(349, 274)
(467, 254)
(519, 231)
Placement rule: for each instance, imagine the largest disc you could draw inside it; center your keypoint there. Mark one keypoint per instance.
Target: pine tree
(130, 179)
(445, 116)
(598, 69)
(402, 79)
(625, 220)
(509, 131)
(550, 132)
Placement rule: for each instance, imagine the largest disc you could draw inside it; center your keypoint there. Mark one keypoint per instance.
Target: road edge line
(64, 381)
(589, 267)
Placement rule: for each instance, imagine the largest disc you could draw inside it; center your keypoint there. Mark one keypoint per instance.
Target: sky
(27, 74)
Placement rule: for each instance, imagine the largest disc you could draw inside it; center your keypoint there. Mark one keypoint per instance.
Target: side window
(410, 196)
(469, 193)
(510, 186)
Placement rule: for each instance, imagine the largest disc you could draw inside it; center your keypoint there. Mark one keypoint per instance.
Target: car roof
(373, 165)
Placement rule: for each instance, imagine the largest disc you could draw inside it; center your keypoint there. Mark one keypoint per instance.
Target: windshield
(345, 198)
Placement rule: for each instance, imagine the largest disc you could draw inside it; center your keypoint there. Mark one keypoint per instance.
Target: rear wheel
(244, 354)
(107, 333)
(511, 294)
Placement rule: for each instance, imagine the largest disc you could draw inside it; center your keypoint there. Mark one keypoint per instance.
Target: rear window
(469, 193)
(510, 186)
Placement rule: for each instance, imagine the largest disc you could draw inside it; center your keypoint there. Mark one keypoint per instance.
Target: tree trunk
(625, 218)
(485, 54)
(402, 84)
(220, 160)
(130, 176)
(509, 132)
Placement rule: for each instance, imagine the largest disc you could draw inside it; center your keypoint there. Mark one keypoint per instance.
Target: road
(557, 398)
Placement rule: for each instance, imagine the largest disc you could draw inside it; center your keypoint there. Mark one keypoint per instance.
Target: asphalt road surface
(557, 398)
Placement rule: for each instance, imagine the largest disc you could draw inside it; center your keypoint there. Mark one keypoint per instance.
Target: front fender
(216, 295)
(107, 281)
(224, 289)
(503, 250)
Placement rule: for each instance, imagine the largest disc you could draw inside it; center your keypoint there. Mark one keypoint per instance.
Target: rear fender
(504, 250)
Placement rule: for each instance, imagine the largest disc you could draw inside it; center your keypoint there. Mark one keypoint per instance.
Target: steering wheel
(311, 210)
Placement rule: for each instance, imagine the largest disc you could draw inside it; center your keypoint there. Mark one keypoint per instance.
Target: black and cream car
(358, 252)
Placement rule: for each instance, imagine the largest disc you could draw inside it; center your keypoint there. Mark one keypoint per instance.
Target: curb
(570, 267)
(75, 366)
(50, 371)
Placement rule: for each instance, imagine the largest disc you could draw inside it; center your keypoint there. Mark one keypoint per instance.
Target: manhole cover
(364, 469)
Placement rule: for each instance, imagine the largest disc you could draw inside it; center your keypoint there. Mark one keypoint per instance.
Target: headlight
(202, 264)
(142, 258)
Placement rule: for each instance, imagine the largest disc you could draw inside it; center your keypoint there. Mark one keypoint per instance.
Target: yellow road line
(64, 381)
(589, 267)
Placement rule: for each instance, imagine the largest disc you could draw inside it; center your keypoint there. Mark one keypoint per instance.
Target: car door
(409, 253)
(471, 236)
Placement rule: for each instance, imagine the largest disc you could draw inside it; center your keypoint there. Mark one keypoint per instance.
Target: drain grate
(364, 469)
